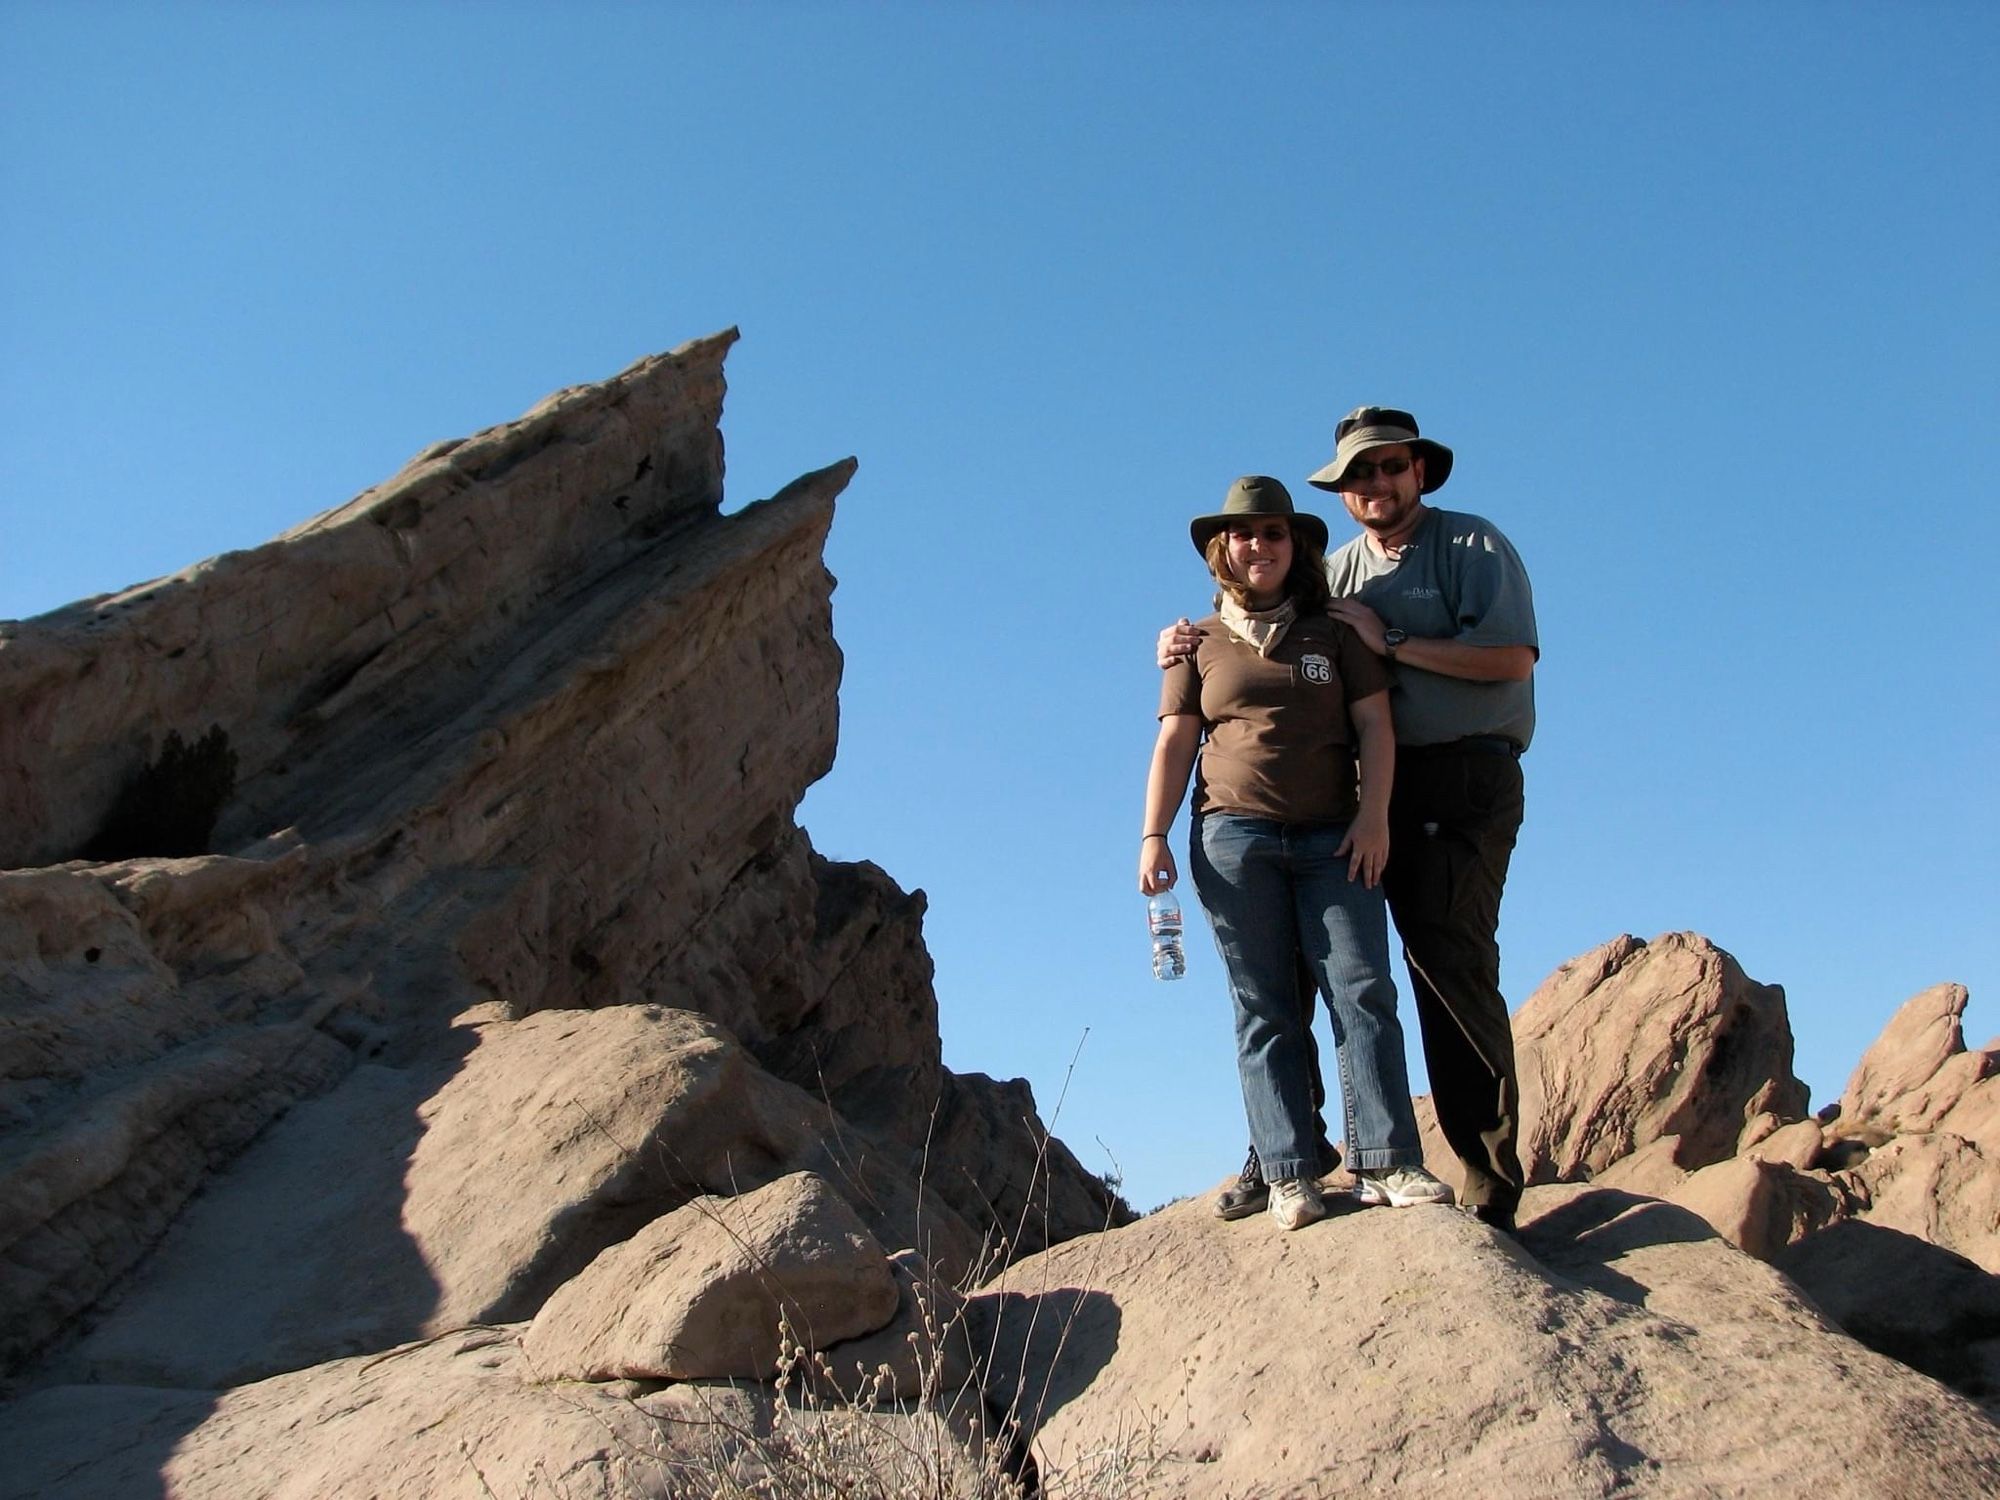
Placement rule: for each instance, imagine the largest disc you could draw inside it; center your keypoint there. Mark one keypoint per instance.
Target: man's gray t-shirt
(1457, 579)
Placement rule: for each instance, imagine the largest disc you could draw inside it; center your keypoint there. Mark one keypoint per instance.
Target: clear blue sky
(1704, 296)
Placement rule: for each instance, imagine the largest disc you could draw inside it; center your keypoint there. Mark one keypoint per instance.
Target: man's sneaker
(1399, 1187)
(1245, 1196)
(1295, 1202)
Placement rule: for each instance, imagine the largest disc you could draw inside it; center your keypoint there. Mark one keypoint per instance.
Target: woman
(1287, 851)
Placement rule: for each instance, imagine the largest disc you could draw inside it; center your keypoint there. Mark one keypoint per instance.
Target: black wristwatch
(1391, 639)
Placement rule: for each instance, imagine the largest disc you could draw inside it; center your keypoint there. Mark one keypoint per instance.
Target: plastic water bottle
(1163, 916)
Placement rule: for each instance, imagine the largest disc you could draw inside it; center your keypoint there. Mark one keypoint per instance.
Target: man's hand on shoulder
(1177, 641)
(1363, 621)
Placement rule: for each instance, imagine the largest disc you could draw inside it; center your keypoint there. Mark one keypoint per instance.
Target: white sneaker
(1399, 1187)
(1295, 1202)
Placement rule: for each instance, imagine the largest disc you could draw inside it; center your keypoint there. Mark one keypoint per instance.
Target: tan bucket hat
(1372, 426)
(1256, 495)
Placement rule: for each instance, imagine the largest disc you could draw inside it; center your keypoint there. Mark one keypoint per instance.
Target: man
(1444, 597)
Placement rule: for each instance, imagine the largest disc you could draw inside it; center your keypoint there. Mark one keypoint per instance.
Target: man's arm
(1447, 658)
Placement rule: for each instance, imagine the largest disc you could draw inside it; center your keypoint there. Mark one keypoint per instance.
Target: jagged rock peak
(437, 578)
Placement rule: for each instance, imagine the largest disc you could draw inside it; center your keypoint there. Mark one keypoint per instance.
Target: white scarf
(1259, 629)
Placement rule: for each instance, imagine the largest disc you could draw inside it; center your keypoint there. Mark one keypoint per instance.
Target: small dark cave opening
(168, 809)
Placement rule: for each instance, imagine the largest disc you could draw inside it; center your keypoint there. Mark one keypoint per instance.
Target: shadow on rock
(1585, 1235)
(1909, 1299)
(1041, 1350)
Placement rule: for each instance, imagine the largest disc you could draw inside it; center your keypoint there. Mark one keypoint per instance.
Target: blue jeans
(1274, 891)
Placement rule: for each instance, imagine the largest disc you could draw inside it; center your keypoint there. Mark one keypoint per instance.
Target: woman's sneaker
(1399, 1187)
(1247, 1195)
(1295, 1202)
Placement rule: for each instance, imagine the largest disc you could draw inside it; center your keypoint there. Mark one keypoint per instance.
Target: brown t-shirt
(1279, 742)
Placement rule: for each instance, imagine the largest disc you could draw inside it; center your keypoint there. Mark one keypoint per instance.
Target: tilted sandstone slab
(1625, 1350)
(1919, 1039)
(421, 582)
(1634, 1042)
(720, 1288)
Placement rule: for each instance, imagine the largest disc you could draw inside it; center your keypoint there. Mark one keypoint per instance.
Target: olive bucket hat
(1370, 427)
(1256, 495)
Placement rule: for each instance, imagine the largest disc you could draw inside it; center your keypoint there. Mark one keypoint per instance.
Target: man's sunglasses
(1362, 470)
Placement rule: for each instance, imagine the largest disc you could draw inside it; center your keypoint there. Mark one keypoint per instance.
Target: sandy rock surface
(1620, 1349)
(453, 1419)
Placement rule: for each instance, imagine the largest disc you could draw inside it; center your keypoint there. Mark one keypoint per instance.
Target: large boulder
(721, 1288)
(1762, 1206)
(1635, 1042)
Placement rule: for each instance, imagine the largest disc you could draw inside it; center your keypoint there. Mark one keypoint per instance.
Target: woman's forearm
(1166, 783)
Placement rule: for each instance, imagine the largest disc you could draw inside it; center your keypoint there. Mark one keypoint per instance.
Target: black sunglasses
(1362, 470)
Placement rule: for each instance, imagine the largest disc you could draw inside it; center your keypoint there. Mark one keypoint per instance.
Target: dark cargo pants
(1453, 817)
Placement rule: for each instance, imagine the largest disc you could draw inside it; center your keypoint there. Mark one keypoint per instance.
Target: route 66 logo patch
(1316, 668)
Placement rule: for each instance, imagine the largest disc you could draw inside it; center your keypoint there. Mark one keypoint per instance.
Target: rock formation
(1635, 1043)
(434, 1063)
(397, 915)
(1625, 1344)
(1661, 1069)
